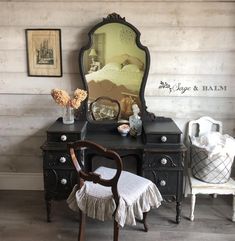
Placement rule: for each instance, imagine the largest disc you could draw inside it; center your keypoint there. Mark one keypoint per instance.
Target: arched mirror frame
(115, 18)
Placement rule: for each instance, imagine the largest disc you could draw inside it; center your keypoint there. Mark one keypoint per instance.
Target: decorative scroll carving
(149, 116)
(114, 16)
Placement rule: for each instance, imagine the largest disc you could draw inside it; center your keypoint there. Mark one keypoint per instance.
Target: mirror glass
(114, 67)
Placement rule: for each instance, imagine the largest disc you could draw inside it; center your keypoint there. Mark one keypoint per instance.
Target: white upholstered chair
(202, 126)
(110, 193)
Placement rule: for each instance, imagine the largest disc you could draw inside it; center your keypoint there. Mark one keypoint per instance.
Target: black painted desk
(159, 154)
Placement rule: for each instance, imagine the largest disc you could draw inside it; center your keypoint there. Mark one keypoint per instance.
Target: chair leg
(193, 201)
(146, 227)
(81, 234)
(233, 217)
(115, 230)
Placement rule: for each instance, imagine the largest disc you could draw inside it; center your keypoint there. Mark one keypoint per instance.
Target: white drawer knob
(63, 138)
(163, 138)
(63, 181)
(62, 159)
(162, 183)
(163, 161)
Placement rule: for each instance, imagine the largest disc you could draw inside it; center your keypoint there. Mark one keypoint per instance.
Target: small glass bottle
(68, 115)
(135, 121)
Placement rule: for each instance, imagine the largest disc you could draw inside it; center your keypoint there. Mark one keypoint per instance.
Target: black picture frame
(44, 56)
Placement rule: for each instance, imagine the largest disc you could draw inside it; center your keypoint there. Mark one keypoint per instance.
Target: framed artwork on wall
(44, 52)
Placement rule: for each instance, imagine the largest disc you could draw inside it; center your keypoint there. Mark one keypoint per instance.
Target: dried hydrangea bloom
(61, 97)
(75, 103)
(80, 94)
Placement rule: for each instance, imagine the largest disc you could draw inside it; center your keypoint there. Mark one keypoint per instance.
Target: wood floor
(22, 218)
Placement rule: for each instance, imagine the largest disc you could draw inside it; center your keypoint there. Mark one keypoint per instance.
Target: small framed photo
(44, 52)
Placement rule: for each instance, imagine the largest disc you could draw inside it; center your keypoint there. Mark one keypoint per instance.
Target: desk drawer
(161, 160)
(63, 137)
(59, 181)
(57, 159)
(162, 138)
(166, 181)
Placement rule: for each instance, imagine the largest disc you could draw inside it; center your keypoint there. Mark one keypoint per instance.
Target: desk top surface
(114, 140)
(160, 125)
(108, 136)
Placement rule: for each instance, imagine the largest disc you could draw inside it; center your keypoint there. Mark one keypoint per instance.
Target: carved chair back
(92, 176)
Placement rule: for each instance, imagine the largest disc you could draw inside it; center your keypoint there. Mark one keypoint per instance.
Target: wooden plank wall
(192, 45)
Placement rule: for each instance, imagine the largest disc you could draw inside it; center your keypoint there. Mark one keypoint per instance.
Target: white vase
(68, 115)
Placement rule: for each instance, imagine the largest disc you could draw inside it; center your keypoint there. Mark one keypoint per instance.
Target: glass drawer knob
(163, 161)
(62, 159)
(63, 181)
(162, 183)
(63, 138)
(163, 138)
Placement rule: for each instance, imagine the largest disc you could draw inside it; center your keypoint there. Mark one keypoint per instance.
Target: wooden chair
(113, 189)
(202, 126)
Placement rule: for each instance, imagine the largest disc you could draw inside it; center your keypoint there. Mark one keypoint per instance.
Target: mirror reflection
(114, 68)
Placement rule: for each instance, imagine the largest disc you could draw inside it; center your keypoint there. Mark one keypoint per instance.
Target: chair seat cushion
(137, 195)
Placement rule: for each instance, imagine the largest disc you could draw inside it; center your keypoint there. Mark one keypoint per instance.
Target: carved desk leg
(178, 212)
(48, 207)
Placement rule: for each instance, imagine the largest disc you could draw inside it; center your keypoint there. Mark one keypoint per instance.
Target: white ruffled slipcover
(137, 195)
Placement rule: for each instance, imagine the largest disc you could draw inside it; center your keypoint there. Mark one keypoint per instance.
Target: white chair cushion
(137, 195)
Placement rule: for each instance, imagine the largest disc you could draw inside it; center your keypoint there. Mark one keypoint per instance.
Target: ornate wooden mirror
(114, 66)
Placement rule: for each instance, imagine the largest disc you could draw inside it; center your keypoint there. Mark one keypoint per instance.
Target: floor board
(22, 218)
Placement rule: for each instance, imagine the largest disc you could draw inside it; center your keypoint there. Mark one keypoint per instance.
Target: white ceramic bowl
(123, 129)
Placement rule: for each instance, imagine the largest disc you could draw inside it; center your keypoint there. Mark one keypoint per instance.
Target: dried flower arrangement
(62, 98)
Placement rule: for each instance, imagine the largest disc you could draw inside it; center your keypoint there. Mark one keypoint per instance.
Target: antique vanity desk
(158, 151)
